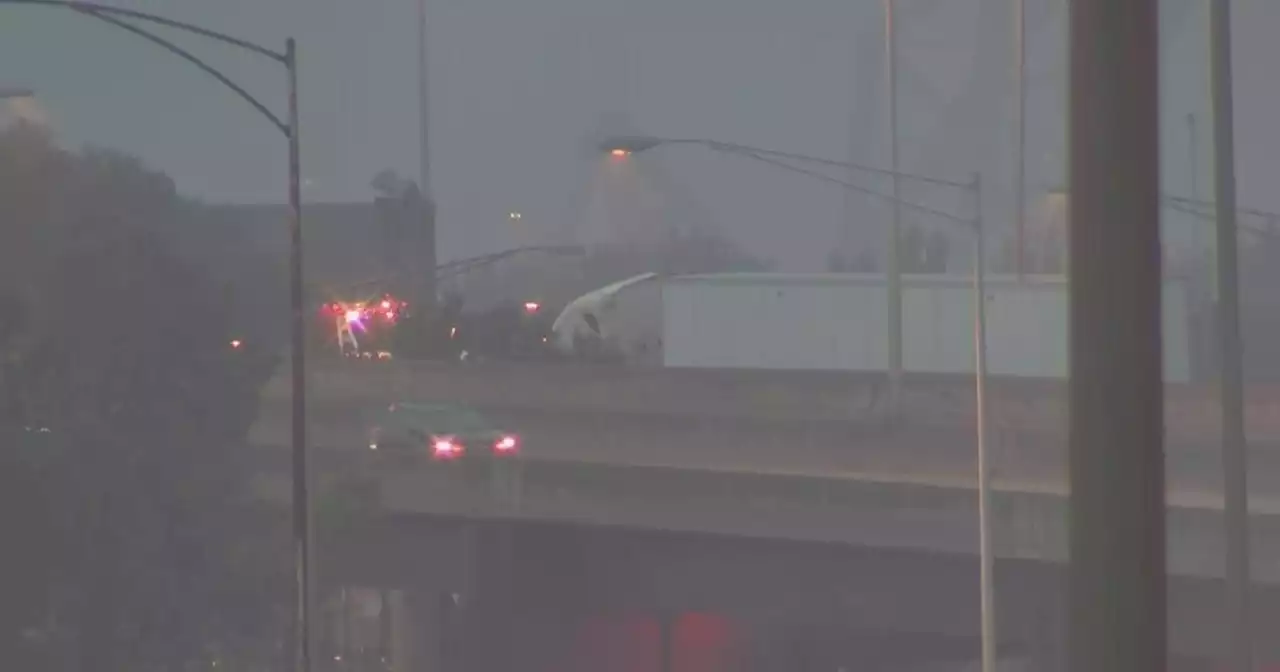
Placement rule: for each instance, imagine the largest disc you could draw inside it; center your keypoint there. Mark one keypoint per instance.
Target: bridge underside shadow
(573, 572)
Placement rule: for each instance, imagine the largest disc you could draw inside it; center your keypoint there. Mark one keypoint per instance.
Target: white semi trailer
(622, 320)
(837, 322)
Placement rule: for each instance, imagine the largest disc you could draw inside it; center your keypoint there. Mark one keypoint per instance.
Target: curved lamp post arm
(459, 266)
(643, 143)
(858, 188)
(746, 149)
(113, 16)
(639, 143)
(194, 60)
(98, 8)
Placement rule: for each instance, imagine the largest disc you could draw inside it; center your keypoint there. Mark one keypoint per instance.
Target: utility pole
(1234, 458)
(1193, 157)
(303, 523)
(893, 267)
(424, 139)
(1117, 517)
(866, 68)
(986, 551)
(1020, 122)
(427, 235)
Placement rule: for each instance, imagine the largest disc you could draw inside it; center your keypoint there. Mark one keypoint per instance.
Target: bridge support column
(666, 642)
(1050, 651)
(489, 599)
(419, 630)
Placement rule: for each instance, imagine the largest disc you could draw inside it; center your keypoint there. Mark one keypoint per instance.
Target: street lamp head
(623, 146)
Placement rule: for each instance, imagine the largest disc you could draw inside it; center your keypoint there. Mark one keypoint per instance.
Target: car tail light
(445, 447)
(509, 443)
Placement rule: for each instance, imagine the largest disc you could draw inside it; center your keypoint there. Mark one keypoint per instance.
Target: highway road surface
(856, 449)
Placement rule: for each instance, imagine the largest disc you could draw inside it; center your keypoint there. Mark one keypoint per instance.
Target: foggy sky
(519, 86)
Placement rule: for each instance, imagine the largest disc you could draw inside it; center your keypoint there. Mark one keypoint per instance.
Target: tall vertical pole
(1020, 123)
(424, 139)
(1193, 163)
(1193, 157)
(986, 556)
(301, 472)
(1117, 518)
(865, 84)
(1234, 459)
(893, 264)
(427, 283)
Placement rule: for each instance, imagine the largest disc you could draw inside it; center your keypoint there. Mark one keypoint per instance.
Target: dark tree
(127, 412)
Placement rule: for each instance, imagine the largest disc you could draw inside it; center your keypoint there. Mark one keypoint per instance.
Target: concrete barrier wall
(1033, 406)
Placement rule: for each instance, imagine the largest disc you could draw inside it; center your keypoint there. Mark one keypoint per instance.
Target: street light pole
(425, 284)
(893, 268)
(1234, 457)
(298, 380)
(1020, 123)
(1117, 516)
(1193, 157)
(424, 138)
(986, 556)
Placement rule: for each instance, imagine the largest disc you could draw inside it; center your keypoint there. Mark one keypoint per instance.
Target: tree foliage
(125, 413)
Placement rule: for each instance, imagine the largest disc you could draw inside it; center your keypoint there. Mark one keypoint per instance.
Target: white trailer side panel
(837, 322)
(773, 322)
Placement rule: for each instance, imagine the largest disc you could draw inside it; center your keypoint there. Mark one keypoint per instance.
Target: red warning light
(531, 307)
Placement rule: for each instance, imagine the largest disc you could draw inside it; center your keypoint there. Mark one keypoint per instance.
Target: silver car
(441, 431)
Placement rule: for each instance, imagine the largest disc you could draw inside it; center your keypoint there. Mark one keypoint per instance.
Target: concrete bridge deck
(922, 513)
(804, 460)
(711, 452)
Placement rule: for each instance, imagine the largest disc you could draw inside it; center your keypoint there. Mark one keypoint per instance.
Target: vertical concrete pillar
(417, 631)
(489, 599)
(1117, 615)
(666, 642)
(339, 630)
(1051, 654)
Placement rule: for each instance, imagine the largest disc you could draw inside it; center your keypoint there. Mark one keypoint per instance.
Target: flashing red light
(507, 444)
(353, 315)
(619, 153)
(389, 315)
(236, 343)
(386, 305)
(531, 307)
(446, 448)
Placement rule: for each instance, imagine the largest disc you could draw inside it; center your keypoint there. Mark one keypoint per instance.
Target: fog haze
(517, 88)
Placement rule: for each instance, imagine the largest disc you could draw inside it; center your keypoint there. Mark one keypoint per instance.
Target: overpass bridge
(791, 462)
